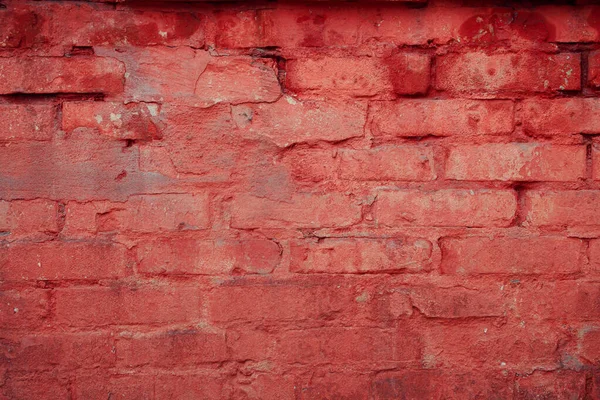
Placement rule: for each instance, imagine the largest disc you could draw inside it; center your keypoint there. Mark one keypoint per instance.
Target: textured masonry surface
(289, 200)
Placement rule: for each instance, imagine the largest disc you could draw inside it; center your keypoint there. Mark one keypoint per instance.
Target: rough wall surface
(372, 200)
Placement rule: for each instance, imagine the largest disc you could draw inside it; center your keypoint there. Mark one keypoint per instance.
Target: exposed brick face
(391, 199)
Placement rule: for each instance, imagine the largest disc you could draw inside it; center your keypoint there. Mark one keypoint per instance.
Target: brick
(23, 218)
(124, 306)
(564, 208)
(302, 210)
(287, 27)
(290, 121)
(404, 73)
(237, 80)
(590, 346)
(483, 345)
(155, 74)
(410, 118)
(208, 257)
(47, 387)
(418, 384)
(159, 73)
(512, 255)
(20, 28)
(594, 69)
(312, 165)
(562, 301)
(594, 254)
(331, 345)
(212, 153)
(135, 121)
(446, 384)
(75, 168)
(336, 346)
(552, 384)
(26, 122)
(171, 349)
(101, 385)
(333, 26)
(60, 351)
(164, 212)
(61, 75)
(23, 309)
(267, 386)
(480, 73)
(122, 27)
(394, 163)
(357, 255)
(331, 385)
(447, 207)
(197, 385)
(64, 260)
(568, 116)
(516, 162)
(305, 300)
(563, 19)
(457, 302)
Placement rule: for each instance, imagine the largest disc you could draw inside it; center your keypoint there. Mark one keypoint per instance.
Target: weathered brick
(405, 73)
(395, 163)
(60, 351)
(480, 73)
(555, 384)
(336, 346)
(156, 74)
(48, 387)
(562, 301)
(193, 385)
(484, 345)
(26, 122)
(302, 210)
(75, 168)
(447, 207)
(208, 257)
(100, 385)
(268, 386)
(562, 208)
(312, 165)
(568, 116)
(122, 27)
(290, 121)
(58, 260)
(358, 255)
(125, 305)
(326, 384)
(512, 255)
(590, 345)
(594, 69)
(452, 384)
(161, 212)
(412, 117)
(516, 162)
(23, 309)
(136, 121)
(457, 302)
(23, 218)
(61, 75)
(170, 349)
(305, 300)
(237, 80)
(20, 27)
(211, 153)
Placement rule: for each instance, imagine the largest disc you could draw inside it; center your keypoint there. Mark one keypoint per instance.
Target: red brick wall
(372, 200)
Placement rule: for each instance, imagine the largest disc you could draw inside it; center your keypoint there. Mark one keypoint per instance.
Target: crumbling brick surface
(294, 200)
